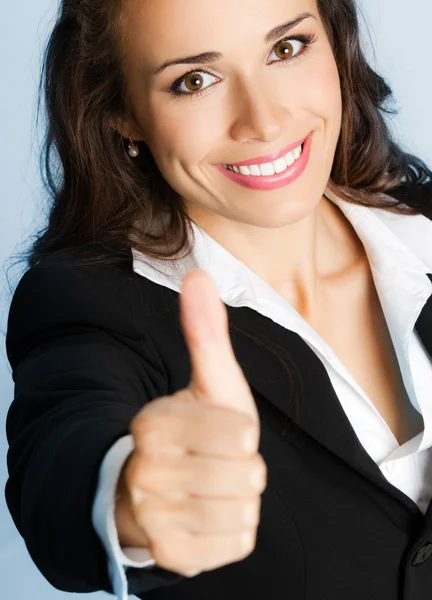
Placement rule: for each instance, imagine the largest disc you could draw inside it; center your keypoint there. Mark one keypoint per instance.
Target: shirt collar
(399, 248)
(389, 236)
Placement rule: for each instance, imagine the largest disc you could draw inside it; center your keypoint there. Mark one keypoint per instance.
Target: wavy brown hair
(97, 191)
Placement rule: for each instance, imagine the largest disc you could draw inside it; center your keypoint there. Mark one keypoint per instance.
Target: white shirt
(399, 248)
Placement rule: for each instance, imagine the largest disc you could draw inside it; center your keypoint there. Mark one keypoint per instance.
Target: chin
(277, 213)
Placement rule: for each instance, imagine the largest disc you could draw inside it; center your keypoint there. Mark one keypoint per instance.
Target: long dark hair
(97, 192)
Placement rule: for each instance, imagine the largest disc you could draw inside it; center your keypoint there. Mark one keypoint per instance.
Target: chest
(350, 319)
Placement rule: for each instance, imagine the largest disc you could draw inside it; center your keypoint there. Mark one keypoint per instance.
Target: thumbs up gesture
(192, 486)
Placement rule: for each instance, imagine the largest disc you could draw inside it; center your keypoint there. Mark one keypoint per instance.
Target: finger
(177, 477)
(203, 552)
(200, 516)
(179, 427)
(217, 378)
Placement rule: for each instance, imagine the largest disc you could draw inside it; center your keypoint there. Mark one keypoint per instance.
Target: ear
(128, 127)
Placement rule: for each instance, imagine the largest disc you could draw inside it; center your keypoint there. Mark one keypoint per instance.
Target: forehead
(153, 27)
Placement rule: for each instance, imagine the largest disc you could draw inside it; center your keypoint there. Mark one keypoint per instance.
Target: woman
(224, 164)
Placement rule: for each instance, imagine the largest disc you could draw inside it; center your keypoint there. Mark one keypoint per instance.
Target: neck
(297, 259)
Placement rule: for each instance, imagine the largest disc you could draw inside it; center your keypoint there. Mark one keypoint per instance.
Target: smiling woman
(244, 107)
(285, 74)
(246, 139)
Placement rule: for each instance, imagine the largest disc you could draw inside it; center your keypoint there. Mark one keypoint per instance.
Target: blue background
(396, 38)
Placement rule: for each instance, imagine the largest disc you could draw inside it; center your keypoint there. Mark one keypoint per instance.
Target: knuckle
(261, 464)
(154, 414)
(247, 543)
(250, 512)
(145, 472)
(248, 432)
(247, 425)
(258, 469)
(159, 425)
(143, 423)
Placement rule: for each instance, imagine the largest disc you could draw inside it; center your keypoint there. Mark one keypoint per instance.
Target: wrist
(129, 532)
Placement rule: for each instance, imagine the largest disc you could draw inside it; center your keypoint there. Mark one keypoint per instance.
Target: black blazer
(89, 346)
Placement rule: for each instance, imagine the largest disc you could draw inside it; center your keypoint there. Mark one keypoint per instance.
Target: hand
(195, 477)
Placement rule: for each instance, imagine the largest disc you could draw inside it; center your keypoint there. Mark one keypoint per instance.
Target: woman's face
(259, 92)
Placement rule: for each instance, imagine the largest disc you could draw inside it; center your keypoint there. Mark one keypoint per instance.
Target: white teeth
(270, 168)
(289, 158)
(280, 165)
(254, 170)
(267, 169)
(296, 153)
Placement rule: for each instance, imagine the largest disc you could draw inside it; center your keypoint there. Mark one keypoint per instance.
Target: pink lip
(277, 180)
(270, 157)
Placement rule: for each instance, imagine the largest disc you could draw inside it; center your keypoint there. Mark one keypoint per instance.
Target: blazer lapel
(423, 325)
(320, 413)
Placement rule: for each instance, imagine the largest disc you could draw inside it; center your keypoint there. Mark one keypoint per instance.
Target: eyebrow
(209, 57)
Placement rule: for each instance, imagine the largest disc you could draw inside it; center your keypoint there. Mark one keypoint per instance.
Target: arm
(78, 385)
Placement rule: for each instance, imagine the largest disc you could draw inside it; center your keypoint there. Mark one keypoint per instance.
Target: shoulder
(412, 230)
(59, 295)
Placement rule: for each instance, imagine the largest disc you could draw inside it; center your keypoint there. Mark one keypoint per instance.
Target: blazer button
(423, 554)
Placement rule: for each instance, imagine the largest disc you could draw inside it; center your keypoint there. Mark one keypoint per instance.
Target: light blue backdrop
(400, 35)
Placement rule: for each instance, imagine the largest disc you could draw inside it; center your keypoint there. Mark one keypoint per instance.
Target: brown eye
(288, 49)
(284, 49)
(193, 82)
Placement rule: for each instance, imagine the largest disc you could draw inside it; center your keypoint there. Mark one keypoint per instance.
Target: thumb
(217, 378)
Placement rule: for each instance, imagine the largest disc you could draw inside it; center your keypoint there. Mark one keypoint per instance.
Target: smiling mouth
(268, 168)
(265, 169)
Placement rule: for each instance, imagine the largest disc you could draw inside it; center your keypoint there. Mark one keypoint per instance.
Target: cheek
(183, 131)
(324, 95)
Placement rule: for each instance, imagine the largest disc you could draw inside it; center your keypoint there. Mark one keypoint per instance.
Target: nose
(259, 115)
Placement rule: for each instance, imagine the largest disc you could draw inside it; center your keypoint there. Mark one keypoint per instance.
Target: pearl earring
(133, 149)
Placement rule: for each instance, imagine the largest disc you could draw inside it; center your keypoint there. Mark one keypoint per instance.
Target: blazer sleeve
(79, 381)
